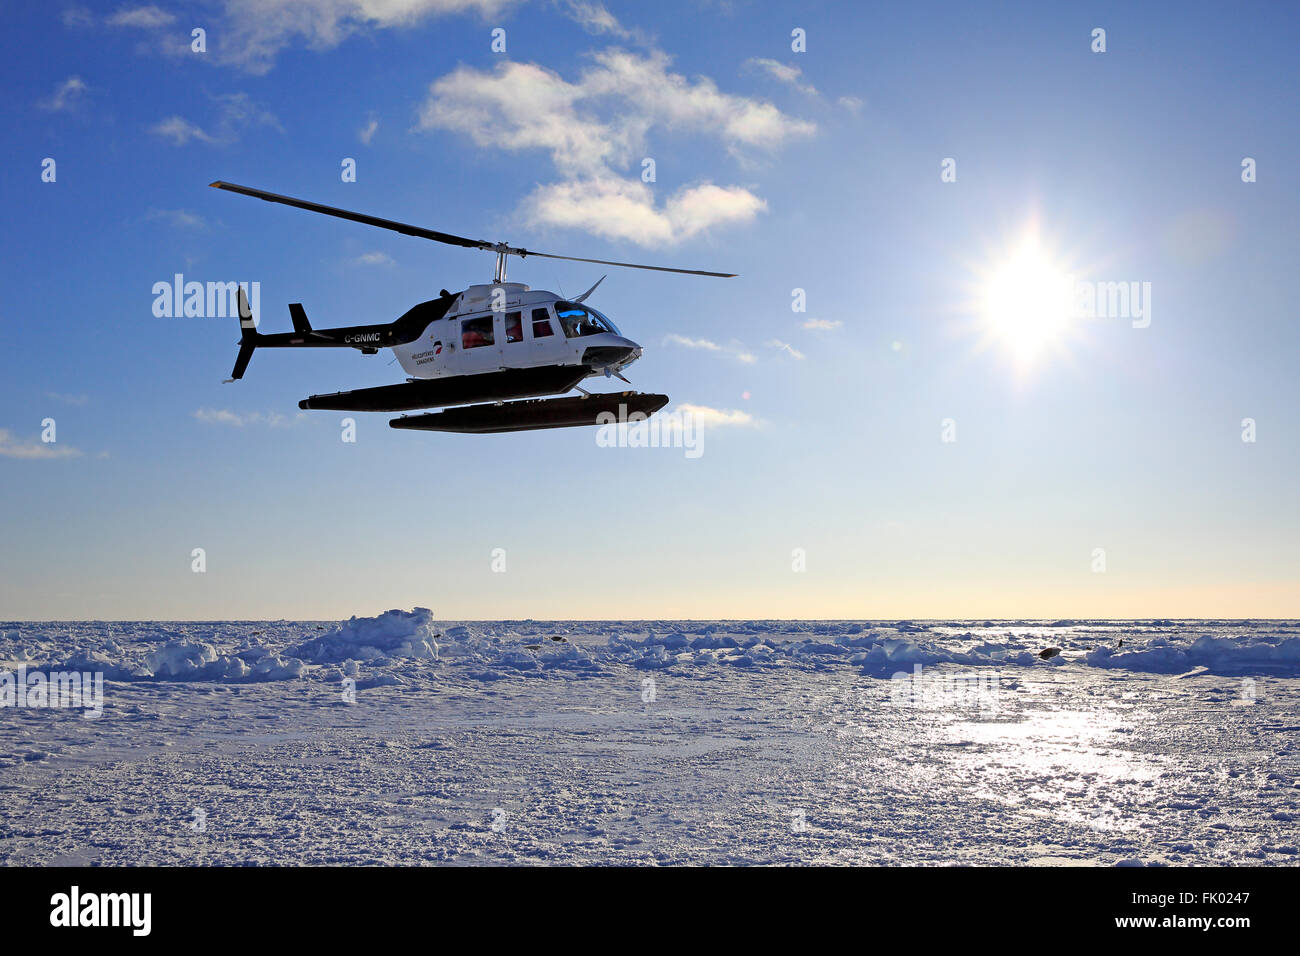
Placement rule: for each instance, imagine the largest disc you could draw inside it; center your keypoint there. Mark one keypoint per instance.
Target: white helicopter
(488, 344)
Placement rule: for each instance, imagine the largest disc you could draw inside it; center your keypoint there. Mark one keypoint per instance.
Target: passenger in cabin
(569, 319)
(476, 333)
(578, 320)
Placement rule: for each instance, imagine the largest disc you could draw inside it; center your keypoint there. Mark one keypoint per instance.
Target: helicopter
(486, 354)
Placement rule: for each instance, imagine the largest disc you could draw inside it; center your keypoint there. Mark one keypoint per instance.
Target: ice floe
(392, 634)
(407, 645)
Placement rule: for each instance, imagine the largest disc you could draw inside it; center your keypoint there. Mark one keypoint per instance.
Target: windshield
(582, 320)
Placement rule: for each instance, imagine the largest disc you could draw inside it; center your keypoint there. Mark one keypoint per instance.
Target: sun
(1025, 301)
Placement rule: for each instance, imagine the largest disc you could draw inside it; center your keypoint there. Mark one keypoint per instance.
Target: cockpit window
(577, 320)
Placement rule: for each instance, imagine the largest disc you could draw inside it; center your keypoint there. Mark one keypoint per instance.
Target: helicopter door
(480, 343)
(541, 337)
(514, 350)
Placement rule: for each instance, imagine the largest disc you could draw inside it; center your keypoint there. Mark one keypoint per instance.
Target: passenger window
(476, 332)
(542, 324)
(514, 326)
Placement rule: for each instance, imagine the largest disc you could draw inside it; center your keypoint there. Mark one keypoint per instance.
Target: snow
(658, 742)
(391, 634)
(1268, 653)
(880, 650)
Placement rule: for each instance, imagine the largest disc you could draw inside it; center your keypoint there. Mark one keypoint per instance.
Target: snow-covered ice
(403, 739)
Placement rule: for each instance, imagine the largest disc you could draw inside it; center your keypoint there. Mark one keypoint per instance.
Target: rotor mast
(503, 252)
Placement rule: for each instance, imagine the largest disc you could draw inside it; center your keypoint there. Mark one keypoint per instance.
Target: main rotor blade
(401, 227)
(629, 265)
(422, 233)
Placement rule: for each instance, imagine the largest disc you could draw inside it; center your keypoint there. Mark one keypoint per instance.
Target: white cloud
(223, 416)
(784, 73)
(522, 106)
(373, 259)
(594, 17)
(148, 17)
(822, 325)
(785, 347)
(696, 208)
(180, 218)
(180, 131)
(77, 17)
(690, 343)
(253, 32)
(11, 447)
(700, 417)
(218, 416)
(367, 132)
(625, 209)
(735, 349)
(68, 399)
(66, 95)
(236, 112)
(851, 103)
(672, 100)
(598, 125)
(526, 106)
(715, 417)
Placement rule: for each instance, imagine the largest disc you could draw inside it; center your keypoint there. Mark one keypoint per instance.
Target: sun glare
(1026, 301)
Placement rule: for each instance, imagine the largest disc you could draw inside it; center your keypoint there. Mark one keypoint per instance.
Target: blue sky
(815, 170)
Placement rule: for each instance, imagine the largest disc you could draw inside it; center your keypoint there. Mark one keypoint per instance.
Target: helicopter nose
(603, 356)
(614, 353)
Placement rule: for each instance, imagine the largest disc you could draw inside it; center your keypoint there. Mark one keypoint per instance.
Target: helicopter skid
(541, 413)
(454, 390)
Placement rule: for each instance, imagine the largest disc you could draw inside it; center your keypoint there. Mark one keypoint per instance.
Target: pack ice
(652, 742)
(404, 643)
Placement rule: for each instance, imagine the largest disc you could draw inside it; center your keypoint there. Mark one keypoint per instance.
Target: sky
(932, 436)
